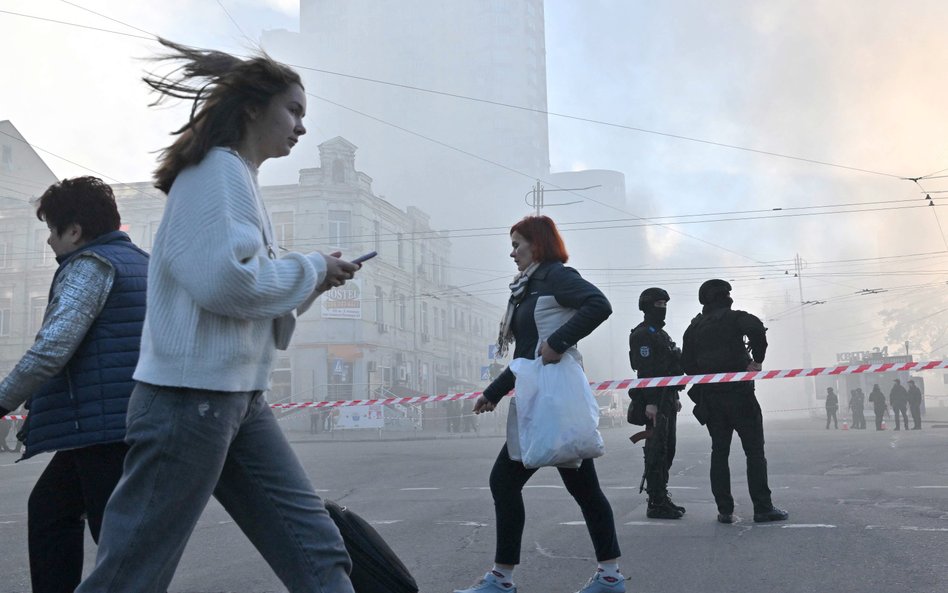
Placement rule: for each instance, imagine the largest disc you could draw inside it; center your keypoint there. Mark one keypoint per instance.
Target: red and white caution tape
(889, 367)
(854, 369)
(658, 382)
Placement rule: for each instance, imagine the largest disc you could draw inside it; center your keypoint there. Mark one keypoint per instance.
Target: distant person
(898, 399)
(6, 426)
(551, 308)
(857, 403)
(652, 353)
(220, 304)
(76, 378)
(877, 399)
(470, 420)
(17, 427)
(454, 416)
(832, 404)
(316, 420)
(714, 343)
(915, 405)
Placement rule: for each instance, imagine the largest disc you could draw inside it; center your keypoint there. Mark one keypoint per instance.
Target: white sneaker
(491, 583)
(601, 584)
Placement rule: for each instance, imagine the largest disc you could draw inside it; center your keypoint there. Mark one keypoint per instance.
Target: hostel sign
(343, 302)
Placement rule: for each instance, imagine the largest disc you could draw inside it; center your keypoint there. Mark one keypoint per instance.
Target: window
(437, 325)
(424, 319)
(281, 381)
(379, 305)
(378, 232)
(6, 157)
(4, 250)
(6, 313)
(283, 228)
(148, 242)
(340, 225)
(43, 255)
(444, 323)
(402, 312)
(37, 311)
(401, 251)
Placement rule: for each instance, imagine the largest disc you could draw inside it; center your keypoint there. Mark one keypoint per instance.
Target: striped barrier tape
(656, 382)
(854, 369)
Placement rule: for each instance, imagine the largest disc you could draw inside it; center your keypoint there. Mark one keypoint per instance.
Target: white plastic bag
(557, 415)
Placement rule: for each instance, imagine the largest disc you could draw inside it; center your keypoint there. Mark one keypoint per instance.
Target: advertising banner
(343, 302)
(370, 416)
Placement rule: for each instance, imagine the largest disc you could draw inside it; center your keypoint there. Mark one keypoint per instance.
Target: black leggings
(507, 480)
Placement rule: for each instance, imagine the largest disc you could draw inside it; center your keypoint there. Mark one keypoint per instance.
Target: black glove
(4, 412)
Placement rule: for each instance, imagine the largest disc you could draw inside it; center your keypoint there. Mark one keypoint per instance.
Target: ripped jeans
(188, 444)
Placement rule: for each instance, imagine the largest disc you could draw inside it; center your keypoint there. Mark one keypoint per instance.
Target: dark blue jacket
(559, 306)
(85, 404)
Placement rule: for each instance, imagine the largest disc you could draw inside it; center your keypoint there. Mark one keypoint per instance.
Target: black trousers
(507, 480)
(916, 410)
(859, 418)
(878, 412)
(831, 414)
(73, 488)
(896, 412)
(656, 477)
(727, 414)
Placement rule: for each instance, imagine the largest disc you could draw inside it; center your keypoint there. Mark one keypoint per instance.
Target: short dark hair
(545, 241)
(86, 201)
(223, 90)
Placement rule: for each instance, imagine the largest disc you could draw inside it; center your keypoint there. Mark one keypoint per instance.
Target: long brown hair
(223, 90)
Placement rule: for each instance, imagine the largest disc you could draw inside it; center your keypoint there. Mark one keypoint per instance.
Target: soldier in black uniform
(714, 343)
(652, 353)
(832, 404)
(857, 404)
(877, 399)
(915, 405)
(898, 400)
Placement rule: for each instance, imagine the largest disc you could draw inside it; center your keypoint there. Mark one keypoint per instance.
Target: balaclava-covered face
(655, 315)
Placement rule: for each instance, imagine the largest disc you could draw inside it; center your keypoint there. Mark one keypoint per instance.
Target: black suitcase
(375, 567)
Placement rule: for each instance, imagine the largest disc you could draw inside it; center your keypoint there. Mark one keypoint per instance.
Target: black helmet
(650, 295)
(711, 289)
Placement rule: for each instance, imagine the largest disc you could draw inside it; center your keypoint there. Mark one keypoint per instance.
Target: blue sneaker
(602, 584)
(491, 583)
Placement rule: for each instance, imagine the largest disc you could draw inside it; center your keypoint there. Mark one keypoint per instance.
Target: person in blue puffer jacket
(76, 378)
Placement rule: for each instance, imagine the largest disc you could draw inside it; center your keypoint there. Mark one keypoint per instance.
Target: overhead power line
(500, 103)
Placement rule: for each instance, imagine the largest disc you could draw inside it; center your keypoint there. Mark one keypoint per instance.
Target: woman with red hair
(550, 309)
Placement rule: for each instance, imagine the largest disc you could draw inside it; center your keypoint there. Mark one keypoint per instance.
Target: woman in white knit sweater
(219, 304)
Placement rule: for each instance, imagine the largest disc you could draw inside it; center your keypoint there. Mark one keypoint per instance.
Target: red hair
(545, 241)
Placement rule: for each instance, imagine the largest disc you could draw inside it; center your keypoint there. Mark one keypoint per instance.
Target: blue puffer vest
(85, 403)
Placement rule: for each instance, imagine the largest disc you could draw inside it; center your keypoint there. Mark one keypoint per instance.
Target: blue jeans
(187, 444)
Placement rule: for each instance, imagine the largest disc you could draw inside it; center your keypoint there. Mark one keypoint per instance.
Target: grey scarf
(518, 289)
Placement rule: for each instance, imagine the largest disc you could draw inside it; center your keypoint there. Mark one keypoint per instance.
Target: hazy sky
(854, 83)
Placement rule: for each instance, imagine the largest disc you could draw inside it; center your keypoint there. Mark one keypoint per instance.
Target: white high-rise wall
(489, 49)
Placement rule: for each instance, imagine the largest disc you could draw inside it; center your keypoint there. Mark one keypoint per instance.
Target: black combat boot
(662, 509)
(678, 507)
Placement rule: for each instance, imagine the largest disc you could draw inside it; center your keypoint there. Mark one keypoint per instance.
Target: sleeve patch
(644, 351)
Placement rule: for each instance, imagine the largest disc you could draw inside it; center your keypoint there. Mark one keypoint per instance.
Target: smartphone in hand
(366, 257)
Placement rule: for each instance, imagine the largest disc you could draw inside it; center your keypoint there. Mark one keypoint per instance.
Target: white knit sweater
(212, 290)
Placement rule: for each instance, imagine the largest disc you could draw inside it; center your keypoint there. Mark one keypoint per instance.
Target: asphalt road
(868, 512)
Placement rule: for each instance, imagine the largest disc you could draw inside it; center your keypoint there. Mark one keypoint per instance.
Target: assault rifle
(654, 456)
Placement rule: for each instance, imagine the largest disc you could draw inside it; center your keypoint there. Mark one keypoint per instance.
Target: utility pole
(538, 190)
(807, 361)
